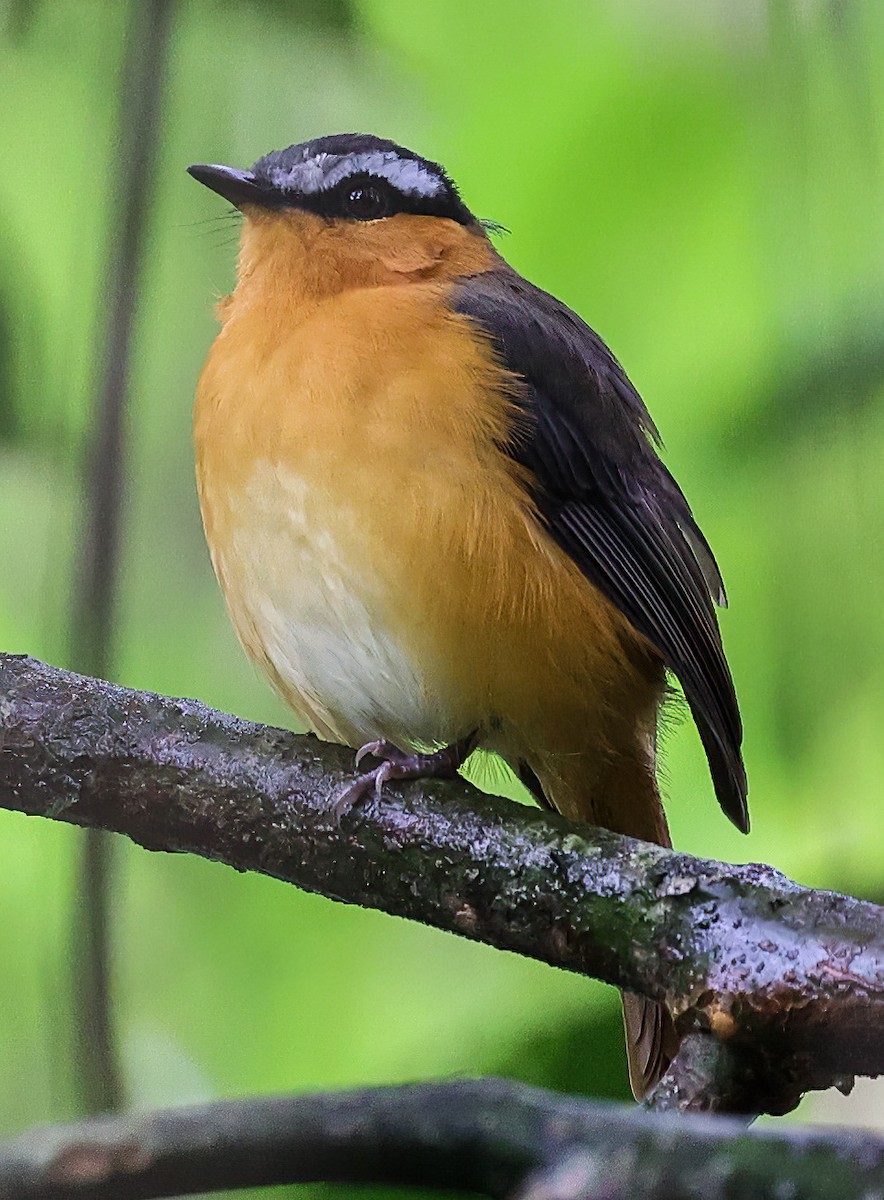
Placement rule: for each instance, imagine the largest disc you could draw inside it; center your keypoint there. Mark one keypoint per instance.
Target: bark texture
(487, 1137)
(786, 983)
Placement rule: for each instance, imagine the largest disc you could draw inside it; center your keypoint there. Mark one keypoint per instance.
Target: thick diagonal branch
(792, 977)
(489, 1137)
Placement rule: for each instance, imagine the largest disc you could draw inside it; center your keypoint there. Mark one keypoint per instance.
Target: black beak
(239, 187)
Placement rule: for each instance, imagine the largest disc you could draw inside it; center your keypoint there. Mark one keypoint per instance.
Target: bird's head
(350, 210)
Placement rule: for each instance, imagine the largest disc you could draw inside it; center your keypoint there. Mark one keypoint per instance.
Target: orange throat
(380, 557)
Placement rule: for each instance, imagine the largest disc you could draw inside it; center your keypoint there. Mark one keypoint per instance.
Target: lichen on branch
(789, 979)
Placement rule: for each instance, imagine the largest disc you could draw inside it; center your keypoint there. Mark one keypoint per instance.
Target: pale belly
(311, 612)
(377, 552)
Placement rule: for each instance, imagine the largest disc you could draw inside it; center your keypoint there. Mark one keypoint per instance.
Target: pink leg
(398, 764)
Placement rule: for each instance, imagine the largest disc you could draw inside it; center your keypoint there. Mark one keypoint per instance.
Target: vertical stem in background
(130, 187)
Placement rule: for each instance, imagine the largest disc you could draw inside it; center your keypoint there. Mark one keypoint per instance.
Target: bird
(436, 509)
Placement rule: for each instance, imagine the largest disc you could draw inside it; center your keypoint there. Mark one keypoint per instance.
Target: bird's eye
(367, 202)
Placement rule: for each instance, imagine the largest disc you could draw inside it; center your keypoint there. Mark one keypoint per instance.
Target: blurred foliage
(703, 181)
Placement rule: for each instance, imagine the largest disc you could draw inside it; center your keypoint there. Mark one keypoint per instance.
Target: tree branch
(708, 1075)
(790, 980)
(490, 1137)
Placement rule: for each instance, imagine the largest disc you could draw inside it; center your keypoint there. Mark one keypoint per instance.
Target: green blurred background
(701, 180)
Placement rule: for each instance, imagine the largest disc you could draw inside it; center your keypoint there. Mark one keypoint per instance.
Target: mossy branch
(787, 983)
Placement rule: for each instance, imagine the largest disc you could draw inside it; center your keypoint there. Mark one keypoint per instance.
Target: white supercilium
(324, 171)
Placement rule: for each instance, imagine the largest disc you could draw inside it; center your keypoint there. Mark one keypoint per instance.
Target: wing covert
(588, 443)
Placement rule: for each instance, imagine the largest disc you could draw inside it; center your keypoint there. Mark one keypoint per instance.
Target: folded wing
(588, 443)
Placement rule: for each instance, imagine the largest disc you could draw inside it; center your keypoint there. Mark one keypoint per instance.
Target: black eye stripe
(356, 155)
(378, 198)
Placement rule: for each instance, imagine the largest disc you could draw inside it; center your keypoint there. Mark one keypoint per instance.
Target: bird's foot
(386, 751)
(397, 764)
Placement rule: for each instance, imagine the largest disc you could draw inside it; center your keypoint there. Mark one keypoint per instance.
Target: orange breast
(377, 550)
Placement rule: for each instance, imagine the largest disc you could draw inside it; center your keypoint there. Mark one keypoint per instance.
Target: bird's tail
(651, 1039)
(635, 809)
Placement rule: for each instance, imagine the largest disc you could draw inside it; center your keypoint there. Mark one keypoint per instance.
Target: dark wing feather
(611, 504)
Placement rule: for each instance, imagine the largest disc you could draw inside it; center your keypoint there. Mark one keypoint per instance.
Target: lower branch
(489, 1137)
(709, 1075)
(789, 979)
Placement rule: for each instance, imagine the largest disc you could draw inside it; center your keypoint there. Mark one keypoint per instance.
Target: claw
(370, 748)
(397, 764)
(385, 750)
(381, 775)
(351, 795)
(362, 785)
